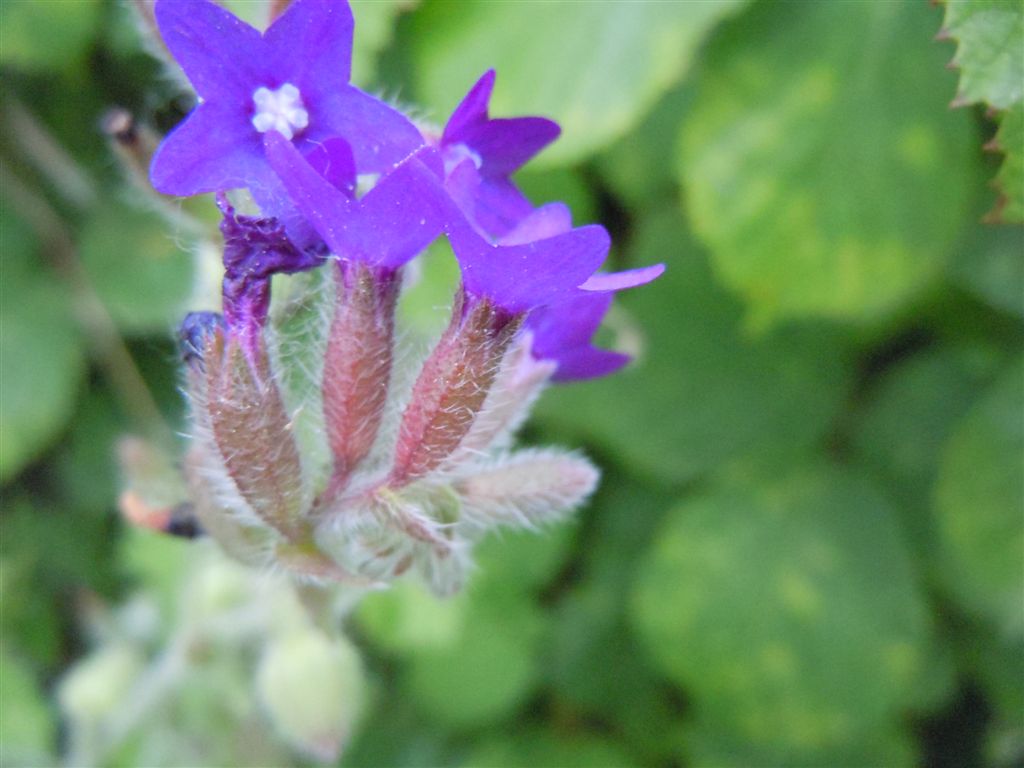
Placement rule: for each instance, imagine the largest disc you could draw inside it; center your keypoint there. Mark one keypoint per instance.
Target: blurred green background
(808, 546)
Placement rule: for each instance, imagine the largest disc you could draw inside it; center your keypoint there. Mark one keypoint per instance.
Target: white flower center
(456, 153)
(281, 110)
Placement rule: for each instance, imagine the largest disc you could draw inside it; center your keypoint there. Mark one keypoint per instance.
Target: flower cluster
(349, 191)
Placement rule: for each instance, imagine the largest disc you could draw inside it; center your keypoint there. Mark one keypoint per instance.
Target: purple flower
(195, 333)
(525, 275)
(387, 227)
(255, 249)
(481, 153)
(291, 80)
(562, 332)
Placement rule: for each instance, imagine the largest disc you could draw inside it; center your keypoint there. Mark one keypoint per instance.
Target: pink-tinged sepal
(357, 365)
(252, 433)
(526, 490)
(452, 386)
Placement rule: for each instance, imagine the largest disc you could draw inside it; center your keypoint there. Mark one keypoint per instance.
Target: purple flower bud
(195, 334)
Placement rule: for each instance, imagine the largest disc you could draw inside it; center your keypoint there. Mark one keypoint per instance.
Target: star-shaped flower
(481, 153)
(291, 80)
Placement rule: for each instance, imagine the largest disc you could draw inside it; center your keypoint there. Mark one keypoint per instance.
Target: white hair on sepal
(525, 489)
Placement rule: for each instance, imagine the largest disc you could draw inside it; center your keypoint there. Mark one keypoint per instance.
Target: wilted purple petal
(521, 277)
(255, 249)
(211, 150)
(222, 56)
(618, 281)
(313, 40)
(195, 333)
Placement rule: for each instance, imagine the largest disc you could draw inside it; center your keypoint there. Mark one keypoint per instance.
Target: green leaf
(86, 467)
(703, 391)
(991, 267)
(636, 166)
(40, 338)
(990, 38)
(907, 417)
(140, 270)
(375, 24)
(407, 616)
(52, 35)
(785, 604)
(30, 621)
(979, 500)
(540, 749)
(711, 744)
(487, 670)
(596, 68)
(561, 185)
(1010, 179)
(27, 735)
(821, 163)
(523, 560)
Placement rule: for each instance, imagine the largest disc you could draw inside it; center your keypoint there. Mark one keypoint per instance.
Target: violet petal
(312, 40)
(567, 324)
(391, 224)
(505, 144)
(211, 150)
(494, 206)
(618, 281)
(221, 54)
(381, 137)
(521, 277)
(333, 160)
(588, 363)
(547, 221)
(471, 109)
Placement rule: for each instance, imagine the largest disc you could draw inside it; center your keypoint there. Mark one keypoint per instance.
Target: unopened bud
(313, 689)
(96, 687)
(196, 334)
